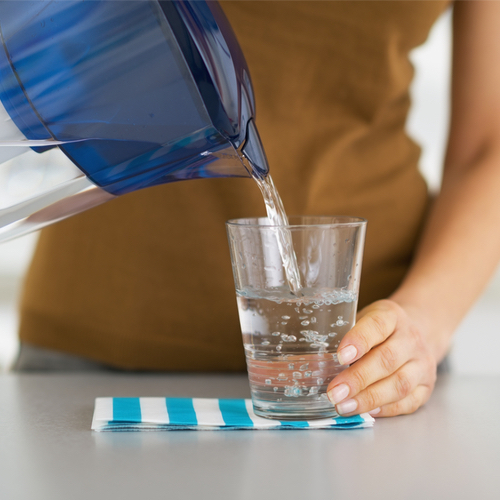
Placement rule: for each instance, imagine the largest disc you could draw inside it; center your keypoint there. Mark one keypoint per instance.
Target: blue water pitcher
(103, 97)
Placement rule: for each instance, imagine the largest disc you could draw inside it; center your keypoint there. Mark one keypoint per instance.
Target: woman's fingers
(378, 364)
(375, 324)
(394, 370)
(411, 403)
(402, 392)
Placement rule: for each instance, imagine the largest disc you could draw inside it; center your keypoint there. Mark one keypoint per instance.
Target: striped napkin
(151, 414)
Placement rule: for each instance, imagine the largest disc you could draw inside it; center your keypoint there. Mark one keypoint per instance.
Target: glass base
(292, 412)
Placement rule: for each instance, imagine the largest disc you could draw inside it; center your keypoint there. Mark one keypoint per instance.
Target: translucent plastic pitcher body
(103, 97)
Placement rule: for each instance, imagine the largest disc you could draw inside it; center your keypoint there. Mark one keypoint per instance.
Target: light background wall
(477, 339)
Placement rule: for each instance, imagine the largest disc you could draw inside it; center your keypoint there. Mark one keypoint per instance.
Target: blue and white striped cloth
(151, 414)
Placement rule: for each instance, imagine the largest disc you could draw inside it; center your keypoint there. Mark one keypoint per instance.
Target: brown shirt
(144, 281)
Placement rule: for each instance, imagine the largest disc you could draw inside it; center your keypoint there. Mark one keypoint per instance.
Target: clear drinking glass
(291, 339)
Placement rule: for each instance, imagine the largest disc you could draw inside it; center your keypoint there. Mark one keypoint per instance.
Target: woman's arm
(398, 342)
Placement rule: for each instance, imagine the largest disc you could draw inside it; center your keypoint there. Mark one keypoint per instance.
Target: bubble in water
(315, 306)
(291, 338)
(304, 367)
(282, 376)
(285, 317)
(332, 334)
(340, 322)
(275, 334)
(307, 311)
(313, 390)
(304, 323)
(307, 374)
(278, 348)
(316, 373)
(268, 381)
(297, 375)
(275, 389)
(265, 342)
(320, 381)
(313, 319)
(291, 366)
(315, 338)
(293, 391)
(303, 317)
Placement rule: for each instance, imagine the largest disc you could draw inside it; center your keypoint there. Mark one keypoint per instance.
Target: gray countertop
(449, 449)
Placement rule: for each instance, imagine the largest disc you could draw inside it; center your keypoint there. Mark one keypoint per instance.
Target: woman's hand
(394, 369)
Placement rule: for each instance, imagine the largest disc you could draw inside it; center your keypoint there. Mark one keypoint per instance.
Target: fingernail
(347, 406)
(347, 354)
(375, 411)
(338, 393)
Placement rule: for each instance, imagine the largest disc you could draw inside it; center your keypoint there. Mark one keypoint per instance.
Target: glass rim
(344, 221)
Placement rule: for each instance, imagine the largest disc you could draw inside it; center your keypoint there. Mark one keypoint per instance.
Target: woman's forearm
(459, 249)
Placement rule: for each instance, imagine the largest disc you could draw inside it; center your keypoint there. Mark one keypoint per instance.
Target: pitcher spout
(253, 151)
